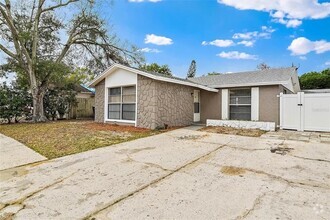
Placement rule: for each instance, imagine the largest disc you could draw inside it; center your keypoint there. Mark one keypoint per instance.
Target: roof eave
(249, 84)
(160, 78)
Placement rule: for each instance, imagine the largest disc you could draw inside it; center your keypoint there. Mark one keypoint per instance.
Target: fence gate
(310, 112)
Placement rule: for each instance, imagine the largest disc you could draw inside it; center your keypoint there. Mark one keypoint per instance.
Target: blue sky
(237, 34)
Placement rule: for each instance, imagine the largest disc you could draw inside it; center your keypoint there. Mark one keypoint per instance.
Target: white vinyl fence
(310, 112)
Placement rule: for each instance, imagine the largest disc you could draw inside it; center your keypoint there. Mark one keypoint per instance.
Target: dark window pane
(115, 91)
(196, 107)
(240, 113)
(114, 111)
(128, 112)
(114, 95)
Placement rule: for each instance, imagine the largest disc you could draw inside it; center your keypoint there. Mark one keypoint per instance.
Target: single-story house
(126, 95)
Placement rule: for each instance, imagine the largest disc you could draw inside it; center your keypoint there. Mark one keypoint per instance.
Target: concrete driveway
(14, 153)
(182, 174)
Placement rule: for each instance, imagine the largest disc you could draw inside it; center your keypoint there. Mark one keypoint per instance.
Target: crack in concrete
(156, 181)
(130, 159)
(312, 159)
(279, 178)
(257, 202)
(22, 200)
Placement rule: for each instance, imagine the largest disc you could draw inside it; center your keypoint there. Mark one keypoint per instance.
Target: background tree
(15, 102)
(192, 69)
(213, 74)
(263, 66)
(315, 80)
(34, 35)
(154, 67)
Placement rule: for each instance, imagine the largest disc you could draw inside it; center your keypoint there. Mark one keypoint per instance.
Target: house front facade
(129, 96)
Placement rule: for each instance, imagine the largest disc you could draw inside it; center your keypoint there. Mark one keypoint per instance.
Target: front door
(197, 115)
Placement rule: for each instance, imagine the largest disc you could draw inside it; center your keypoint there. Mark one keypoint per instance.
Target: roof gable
(155, 76)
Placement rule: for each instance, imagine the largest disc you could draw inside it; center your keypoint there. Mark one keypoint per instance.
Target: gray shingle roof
(258, 77)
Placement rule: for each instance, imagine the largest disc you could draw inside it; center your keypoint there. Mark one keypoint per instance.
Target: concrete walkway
(182, 174)
(14, 153)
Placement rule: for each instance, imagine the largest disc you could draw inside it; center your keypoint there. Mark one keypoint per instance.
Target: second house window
(121, 103)
(240, 104)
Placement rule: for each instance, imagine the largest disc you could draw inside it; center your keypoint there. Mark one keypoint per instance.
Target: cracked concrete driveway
(182, 174)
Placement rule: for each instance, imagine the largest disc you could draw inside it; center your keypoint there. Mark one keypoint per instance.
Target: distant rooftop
(258, 77)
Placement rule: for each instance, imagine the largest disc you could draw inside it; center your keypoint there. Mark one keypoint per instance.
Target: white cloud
(158, 40)
(302, 46)
(219, 43)
(149, 50)
(327, 63)
(288, 12)
(138, 1)
(247, 43)
(303, 58)
(237, 55)
(265, 34)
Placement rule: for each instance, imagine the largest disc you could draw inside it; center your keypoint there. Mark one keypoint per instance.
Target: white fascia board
(142, 73)
(249, 84)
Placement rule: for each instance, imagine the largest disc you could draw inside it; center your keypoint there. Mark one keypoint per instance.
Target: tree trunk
(38, 105)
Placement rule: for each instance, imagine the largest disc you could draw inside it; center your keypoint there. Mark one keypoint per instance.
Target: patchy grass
(234, 131)
(60, 138)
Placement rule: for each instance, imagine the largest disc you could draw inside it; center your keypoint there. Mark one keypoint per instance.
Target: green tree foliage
(36, 37)
(192, 70)
(15, 102)
(213, 74)
(315, 80)
(59, 100)
(154, 67)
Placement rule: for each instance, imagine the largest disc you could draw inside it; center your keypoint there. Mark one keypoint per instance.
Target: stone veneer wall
(99, 101)
(162, 103)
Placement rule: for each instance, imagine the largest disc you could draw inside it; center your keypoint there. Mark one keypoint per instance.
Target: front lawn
(60, 138)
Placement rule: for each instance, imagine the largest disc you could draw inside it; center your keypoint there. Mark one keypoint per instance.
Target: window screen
(240, 104)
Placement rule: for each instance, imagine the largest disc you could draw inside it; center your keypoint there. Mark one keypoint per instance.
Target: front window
(121, 103)
(240, 104)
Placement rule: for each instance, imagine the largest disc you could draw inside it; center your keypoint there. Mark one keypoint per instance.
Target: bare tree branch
(59, 5)
(8, 52)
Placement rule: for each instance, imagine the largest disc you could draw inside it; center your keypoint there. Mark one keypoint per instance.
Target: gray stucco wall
(210, 105)
(99, 101)
(269, 103)
(162, 103)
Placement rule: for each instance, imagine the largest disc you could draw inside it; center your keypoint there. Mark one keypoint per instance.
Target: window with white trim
(240, 104)
(121, 103)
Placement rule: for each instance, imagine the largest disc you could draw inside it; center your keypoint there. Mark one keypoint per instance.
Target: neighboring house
(126, 95)
(85, 103)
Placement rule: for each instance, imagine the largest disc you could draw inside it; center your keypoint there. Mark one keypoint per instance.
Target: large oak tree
(40, 36)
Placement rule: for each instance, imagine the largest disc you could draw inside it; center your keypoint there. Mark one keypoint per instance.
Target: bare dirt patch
(234, 131)
(232, 171)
